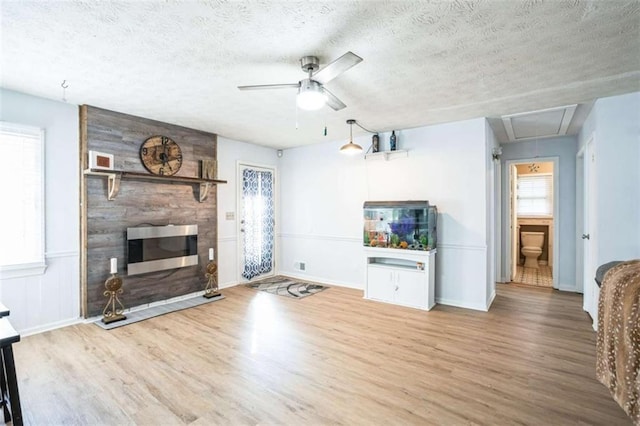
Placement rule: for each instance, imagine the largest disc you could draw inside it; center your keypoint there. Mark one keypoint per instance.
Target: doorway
(532, 225)
(256, 224)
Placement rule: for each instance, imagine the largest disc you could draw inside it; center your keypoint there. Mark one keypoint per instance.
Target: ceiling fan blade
(332, 101)
(270, 86)
(336, 67)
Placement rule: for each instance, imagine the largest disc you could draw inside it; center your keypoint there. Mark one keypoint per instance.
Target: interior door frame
(589, 253)
(556, 215)
(276, 230)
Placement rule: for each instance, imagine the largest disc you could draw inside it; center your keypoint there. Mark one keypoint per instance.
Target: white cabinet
(402, 277)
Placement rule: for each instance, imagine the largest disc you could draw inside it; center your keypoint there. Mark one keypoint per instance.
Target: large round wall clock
(161, 156)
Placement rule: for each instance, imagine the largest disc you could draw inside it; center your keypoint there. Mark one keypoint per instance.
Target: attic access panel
(538, 124)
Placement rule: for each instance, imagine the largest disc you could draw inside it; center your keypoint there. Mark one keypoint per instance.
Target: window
(22, 195)
(535, 195)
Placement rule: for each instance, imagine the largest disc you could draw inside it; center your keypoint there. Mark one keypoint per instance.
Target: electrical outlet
(300, 266)
(303, 266)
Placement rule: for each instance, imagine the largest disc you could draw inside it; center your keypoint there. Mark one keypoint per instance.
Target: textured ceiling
(425, 62)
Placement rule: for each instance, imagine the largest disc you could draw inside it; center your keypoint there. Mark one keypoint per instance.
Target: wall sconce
(351, 148)
(496, 153)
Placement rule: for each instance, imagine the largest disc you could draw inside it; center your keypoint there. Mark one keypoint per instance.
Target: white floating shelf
(387, 155)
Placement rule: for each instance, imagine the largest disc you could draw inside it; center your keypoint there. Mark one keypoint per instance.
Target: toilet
(531, 248)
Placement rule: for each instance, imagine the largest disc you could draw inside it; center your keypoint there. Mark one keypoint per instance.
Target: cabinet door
(380, 284)
(411, 288)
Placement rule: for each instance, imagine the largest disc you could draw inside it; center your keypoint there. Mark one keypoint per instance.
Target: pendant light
(351, 148)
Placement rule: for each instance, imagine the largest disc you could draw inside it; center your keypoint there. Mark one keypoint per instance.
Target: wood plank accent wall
(104, 223)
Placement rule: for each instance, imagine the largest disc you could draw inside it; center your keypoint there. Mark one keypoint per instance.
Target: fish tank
(403, 225)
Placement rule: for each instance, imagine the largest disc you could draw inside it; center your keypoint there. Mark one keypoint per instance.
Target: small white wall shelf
(401, 277)
(115, 176)
(386, 155)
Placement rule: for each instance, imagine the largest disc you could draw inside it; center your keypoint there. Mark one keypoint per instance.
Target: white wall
(322, 192)
(616, 124)
(565, 225)
(52, 299)
(229, 153)
(493, 207)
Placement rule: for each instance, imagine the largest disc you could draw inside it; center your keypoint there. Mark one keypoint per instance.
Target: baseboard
(491, 299)
(461, 304)
(227, 285)
(564, 287)
(51, 326)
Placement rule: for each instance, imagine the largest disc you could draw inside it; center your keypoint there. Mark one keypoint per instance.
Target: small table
(4, 311)
(8, 380)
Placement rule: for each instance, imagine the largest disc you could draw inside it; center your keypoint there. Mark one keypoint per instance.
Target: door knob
(585, 236)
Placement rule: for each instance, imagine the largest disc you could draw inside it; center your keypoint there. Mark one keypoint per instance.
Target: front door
(257, 221)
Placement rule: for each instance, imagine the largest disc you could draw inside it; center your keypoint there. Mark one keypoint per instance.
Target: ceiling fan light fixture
(310, 97)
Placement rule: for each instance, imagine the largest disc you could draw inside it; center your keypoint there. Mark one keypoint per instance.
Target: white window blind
(22, 194)
(535, 195)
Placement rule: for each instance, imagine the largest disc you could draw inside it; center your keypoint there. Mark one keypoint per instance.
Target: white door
(513, 214)
(591, 291)
(256, 231)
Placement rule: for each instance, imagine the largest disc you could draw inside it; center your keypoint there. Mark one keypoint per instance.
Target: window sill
(22, 270)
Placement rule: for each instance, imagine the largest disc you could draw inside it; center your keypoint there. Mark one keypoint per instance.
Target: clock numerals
(161, 155)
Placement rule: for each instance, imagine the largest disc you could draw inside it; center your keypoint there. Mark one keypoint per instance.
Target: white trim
(556, 217)
(461, 247)
(51, 326)
(227, 239)
(565, 287)
(56, 254)
(492, 297)
(359, 241)
(22, 270)
(461, 304)
(569, 110)
(322, 237)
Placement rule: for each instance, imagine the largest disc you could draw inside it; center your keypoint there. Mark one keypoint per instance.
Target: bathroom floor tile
(540, 277)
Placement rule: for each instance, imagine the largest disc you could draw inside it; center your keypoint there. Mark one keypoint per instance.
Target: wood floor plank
(332, 358)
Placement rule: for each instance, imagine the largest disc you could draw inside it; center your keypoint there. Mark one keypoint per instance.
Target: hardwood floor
(332, 358)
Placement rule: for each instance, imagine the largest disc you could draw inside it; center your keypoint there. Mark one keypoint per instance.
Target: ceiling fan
(312, 94)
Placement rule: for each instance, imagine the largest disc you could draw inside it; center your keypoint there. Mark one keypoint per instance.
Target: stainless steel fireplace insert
(157, 248)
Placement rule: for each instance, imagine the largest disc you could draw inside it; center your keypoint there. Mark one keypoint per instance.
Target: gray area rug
(156, 311)
(283, 286)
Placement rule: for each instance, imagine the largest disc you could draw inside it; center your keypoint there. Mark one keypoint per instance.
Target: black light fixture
(351, 148)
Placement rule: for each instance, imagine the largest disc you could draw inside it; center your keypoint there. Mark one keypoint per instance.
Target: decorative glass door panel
(257, 224)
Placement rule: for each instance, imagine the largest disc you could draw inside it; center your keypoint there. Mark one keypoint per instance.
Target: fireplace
(157, 248)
